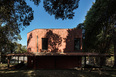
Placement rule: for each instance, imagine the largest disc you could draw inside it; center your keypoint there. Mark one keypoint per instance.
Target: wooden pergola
(18, 55)
(82, 54)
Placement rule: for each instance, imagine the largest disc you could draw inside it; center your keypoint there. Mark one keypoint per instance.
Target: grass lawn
(55, 73)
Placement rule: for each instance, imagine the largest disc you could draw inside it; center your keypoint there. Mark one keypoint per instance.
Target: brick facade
(59, 40)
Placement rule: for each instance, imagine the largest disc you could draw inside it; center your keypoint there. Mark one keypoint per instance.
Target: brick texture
(59, 40)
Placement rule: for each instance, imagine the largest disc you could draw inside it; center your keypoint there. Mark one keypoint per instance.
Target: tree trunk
(0, 55)
(114, 54)
(114, 41)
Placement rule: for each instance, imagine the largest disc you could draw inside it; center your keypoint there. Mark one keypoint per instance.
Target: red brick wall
(59, 40)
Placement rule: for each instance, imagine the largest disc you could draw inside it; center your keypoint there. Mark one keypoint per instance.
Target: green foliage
(99, 26)
(80, 26)
(14, 16)
(36, 2)
(61, 8)
(18, 48)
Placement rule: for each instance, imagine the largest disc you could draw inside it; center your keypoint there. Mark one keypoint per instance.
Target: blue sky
(43, 20)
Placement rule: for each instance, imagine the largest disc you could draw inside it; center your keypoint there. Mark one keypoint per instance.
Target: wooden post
(18, 59)
(0, 57)
(23, 58)
(15, 59)
(8, 61)
(89, 60)
(84, 60)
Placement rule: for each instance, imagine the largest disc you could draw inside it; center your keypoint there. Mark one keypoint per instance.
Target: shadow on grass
(55, 73)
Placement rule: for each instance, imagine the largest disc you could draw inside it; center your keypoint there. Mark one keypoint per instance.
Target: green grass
(55, 73)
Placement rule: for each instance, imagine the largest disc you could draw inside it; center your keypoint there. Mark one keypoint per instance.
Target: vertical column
(15, 59)
(0, 57)
(23, 58)
(8, 58)
(84, 60)
(37, 43)
(18, 59)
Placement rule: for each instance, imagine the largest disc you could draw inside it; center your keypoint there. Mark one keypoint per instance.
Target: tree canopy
(100, 20)
(14, 15)
(61, 8)
(100, 26)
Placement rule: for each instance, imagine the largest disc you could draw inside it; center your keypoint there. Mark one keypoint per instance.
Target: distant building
(54, 48)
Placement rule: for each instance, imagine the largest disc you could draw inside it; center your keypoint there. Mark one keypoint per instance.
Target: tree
(19, 48)
(14, 16)
(99, 27)
(81, 26)
(61, 8)
(24, 49)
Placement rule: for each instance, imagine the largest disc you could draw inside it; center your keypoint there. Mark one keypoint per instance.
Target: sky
(44, 20)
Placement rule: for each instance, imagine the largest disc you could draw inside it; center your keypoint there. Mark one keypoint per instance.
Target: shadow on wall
(69, 40)
(72, 33)
(29, 49)
(30, 36)
(54, 41)
(28, 41)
